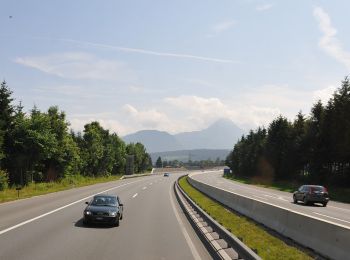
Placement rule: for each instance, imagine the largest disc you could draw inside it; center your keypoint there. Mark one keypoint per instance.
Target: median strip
(253, 235)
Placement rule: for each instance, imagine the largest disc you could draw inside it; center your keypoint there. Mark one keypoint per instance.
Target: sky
(173, 65)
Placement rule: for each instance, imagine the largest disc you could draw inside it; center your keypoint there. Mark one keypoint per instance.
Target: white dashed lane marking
(144, 188)
(135, 195)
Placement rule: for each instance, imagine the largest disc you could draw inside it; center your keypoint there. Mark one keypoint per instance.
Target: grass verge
(252, 234)
(337, 194)
(35, 189)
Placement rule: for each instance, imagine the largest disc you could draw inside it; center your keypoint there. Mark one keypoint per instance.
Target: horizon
(166, 67)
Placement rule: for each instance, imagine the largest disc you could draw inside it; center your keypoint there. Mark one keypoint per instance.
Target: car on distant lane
(310, 194)
(105, 209)
(166, 174)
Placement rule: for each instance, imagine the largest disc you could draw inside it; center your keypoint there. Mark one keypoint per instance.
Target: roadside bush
(4, 180)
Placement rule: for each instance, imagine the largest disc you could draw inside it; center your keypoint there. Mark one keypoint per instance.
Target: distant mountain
(194, 155)
(222, 134)
(154, 140)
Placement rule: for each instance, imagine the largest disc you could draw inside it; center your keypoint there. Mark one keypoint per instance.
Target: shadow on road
(80, 224)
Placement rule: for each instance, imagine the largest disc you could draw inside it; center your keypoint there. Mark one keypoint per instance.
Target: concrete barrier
(328, 239)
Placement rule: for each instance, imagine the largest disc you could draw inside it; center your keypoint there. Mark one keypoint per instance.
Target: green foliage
(3, 180)
(38, 146)
(313, 149)
(6, 117)
(34, 189)
(159, 163)
(102, 153)
(142, 160)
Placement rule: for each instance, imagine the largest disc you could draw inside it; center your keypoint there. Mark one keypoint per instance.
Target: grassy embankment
(34, 189)
(252, 234)
(337, 194)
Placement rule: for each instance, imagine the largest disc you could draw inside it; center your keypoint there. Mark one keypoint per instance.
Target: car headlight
(87, 212)
(113, 213)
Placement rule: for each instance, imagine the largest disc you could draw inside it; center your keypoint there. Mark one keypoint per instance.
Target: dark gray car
(311, 194)
(103, 209)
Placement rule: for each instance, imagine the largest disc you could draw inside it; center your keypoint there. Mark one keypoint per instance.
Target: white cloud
(76, 65)
(329, 42)
(146, 119)
(324, 94)
(264, 7)
(221, 27)
(203, 111)
(248, 109)
(136, 89)
(77, 124)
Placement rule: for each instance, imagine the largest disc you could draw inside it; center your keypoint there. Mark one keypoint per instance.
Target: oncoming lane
(335, 212)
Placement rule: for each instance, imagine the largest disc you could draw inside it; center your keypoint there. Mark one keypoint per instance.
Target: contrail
(143, 51)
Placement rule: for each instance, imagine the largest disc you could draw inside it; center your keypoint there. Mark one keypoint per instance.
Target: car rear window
(317, 188)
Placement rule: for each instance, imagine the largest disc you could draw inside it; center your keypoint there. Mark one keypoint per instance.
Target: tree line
(200, 164)
(39, 146)
(312, 149)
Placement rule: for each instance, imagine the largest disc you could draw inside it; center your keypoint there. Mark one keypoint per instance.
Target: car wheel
(306, 202)
(116, 223)
(85, 223)
(121, 217)
(295, 199)
(324, 204)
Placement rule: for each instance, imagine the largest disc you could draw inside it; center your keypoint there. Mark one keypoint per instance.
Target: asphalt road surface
(50, 226)
(335, 212)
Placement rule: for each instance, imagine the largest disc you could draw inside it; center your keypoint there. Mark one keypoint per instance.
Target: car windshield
(104, 201)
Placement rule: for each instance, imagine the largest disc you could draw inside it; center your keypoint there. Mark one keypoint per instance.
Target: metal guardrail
(224, 245)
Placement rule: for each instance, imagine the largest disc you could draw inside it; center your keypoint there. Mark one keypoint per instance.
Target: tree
(278, 148)
(159, 162)
(6, 118)
(142, 160)
(118, 154)
(93, 149)
(299, 148)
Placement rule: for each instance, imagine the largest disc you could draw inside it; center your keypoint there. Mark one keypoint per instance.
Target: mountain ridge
(222, 134)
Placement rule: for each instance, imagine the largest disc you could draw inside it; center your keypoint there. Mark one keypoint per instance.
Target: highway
(335, 212)
(50, 226)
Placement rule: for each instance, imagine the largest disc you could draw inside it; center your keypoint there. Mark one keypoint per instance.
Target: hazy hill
(222, 134)
(194, 155)
(154, 140)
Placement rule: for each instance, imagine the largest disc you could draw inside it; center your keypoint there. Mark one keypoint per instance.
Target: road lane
(335, 212)
(149, 229)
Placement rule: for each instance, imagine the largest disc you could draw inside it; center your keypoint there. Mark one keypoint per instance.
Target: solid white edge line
(274, 205)
(58, 209)
(339, 219)
(183, 229)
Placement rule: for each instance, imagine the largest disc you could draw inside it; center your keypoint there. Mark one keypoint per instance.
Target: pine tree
(6, 118)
